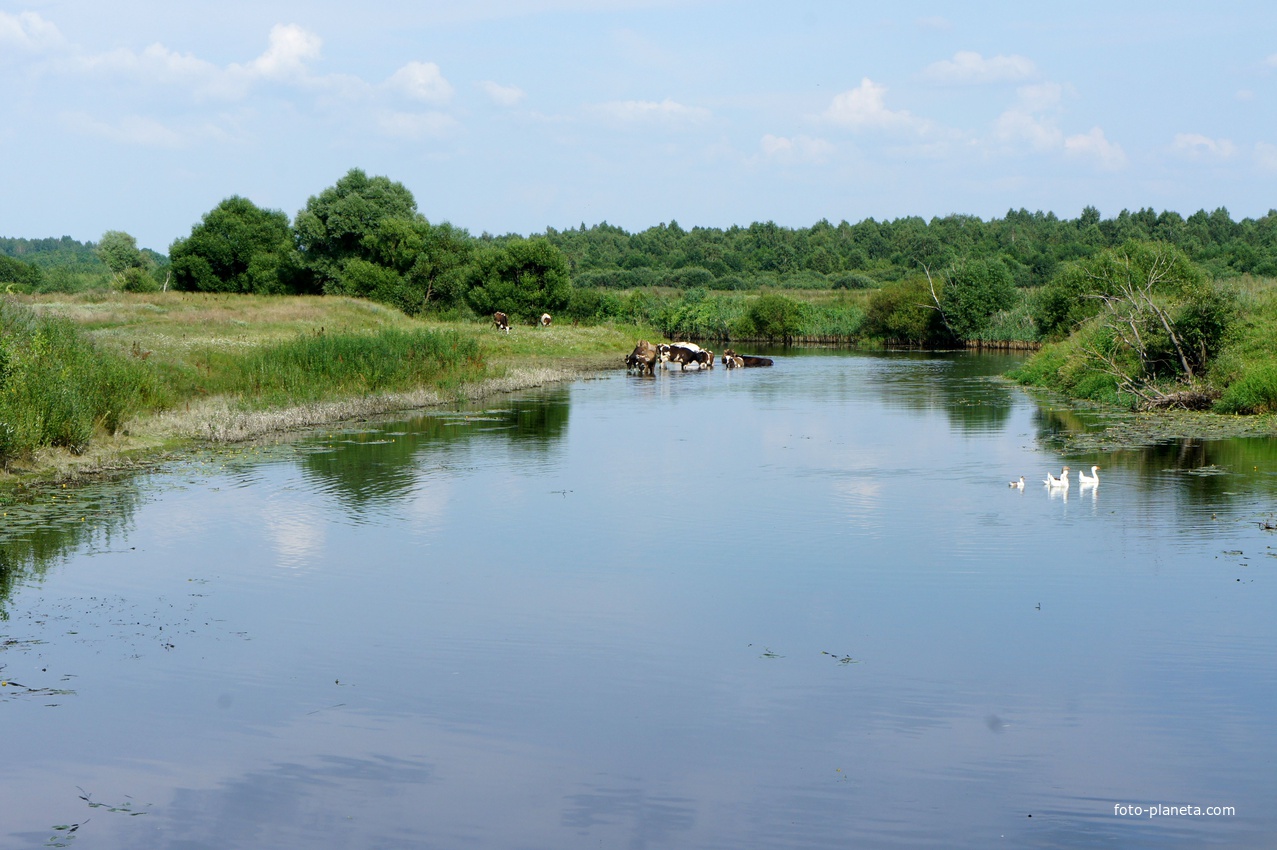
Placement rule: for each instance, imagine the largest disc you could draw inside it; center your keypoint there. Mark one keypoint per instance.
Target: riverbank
(197, 346)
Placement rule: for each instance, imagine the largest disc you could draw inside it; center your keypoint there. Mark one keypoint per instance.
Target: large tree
(236, 247)
(523, 278)
(119, 251)
(337, 224)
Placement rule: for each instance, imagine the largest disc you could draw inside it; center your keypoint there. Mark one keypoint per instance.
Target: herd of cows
(646, 357)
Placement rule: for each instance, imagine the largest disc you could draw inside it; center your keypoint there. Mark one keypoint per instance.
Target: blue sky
(514, 115)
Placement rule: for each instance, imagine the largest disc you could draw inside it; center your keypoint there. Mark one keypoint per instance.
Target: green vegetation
(1146, 328)
(1145, 309)
(321, 365)
(58, 389)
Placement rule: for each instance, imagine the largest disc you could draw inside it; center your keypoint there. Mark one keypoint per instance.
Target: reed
(57, 388)
(320, 365)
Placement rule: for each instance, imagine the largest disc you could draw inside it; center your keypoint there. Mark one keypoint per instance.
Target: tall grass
(318, 366)
(58, 389)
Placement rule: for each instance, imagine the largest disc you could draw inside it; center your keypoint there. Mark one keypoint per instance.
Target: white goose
(1062, 481)
(1019, 485)
(1089, 480)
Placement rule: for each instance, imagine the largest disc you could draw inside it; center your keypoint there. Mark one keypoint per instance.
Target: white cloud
(1094, 145)
(804, 149)
(290, 48)
(864, 108)
(502, 95)
(1197, 146)
(130, 130)
(644, 111)
(1266, 156)
(1271, 61)
(969, 68)
(28, 31)
(421, 81)
(1033, 120)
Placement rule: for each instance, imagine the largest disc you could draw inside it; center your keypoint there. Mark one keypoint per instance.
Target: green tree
(432, 259)
(973, 291)
(336, 224)
(17, 272)
(236, 247)
(522, 278)
(905, 313)
(776, 317)
(1153, 314)
(119, 251)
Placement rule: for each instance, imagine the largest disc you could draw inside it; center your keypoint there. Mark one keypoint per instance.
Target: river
(764, 608)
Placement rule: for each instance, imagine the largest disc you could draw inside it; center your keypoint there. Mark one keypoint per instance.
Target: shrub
(973, 291)
(853, 280)
(905, 313)
(58, 388)
(776, 317)
(1254, 392)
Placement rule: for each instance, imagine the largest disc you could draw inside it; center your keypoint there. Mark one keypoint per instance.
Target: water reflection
(57, 522)
(372, 468)
(787, 607)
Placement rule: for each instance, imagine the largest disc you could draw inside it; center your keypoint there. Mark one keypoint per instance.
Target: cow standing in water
(545, 320)
(644, 358)
(502, 321)
(746, 360)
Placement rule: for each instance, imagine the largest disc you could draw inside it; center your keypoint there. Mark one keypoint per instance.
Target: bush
(58, 388)
(137, 280)
(973, 291)
(776, 317)
(1254, 392)
(523, 278)
(853, 280)
(593, 305)
(905, 313)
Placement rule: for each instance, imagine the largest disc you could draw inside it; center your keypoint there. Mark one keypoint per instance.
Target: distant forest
(1031, 245)
(865, 255)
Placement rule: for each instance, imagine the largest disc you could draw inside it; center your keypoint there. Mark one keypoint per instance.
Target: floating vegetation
(841, 659)
(123, 808)
(1202, 471)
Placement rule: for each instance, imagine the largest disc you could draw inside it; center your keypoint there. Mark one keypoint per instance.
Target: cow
(502, 321)
(746, 359)
(545, 320)
(731, 361)
(681, 354)
(664, 349)
(644, 358)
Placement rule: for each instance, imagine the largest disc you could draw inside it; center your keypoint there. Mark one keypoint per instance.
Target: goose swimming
(1062, 481)
(1019, 485)
(1092, 479)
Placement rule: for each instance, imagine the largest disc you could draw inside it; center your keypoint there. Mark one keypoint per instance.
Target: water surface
(787, 607)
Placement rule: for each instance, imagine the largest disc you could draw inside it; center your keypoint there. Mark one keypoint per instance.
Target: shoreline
(161, 437)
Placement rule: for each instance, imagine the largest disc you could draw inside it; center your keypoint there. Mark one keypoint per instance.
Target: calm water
(783, 608)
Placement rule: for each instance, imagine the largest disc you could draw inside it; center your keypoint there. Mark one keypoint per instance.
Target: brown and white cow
(502, 321)
(545, 320)
(681, 354)
(731, 361)
(644, 358)
(746, 359)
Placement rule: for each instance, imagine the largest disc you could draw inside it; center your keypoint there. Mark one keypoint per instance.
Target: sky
(511, 116)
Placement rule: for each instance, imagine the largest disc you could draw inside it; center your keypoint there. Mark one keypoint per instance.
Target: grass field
(230, 367)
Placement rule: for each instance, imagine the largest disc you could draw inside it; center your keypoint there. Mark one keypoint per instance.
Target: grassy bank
(1241, 377)
(97, 381)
